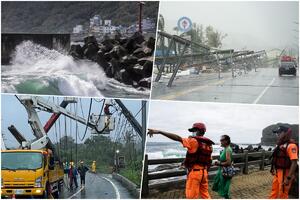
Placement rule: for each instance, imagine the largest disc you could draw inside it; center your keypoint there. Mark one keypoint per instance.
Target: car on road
(287, 68)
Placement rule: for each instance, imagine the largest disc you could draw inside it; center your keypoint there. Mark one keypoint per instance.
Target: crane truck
(34, 169)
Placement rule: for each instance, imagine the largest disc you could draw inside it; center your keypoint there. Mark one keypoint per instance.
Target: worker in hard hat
(94, 166)
(82, 169)
(283, 163)
(198, 159)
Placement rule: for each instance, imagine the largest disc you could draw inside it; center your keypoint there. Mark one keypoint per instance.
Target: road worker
(284, 163)
(82, 169)
(198, 159)
(94, 166)
(73, 175)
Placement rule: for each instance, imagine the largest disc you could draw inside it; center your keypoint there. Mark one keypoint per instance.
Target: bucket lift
(34, 103)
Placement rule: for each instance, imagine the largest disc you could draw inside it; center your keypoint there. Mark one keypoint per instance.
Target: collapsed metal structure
(178, 51)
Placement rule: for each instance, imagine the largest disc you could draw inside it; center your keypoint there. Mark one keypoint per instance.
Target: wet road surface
(98, 186)
(261, 87)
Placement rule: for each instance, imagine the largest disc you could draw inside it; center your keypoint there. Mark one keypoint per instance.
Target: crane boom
(31, 103)
(54, 117)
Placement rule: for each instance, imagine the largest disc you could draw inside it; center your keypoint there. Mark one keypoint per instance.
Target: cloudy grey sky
(244, 123)
(253, 25)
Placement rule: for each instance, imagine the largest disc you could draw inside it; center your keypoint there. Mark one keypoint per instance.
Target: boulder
(142, 52)
(128, 61)
(90, 40)
(91, 51)
(117, 52)
(151, 44)
(147, 68)
(133, 42)
(138, 69)
(137, 37)
(109, 72)
(135, 84)
(123, 41)
(76, 51)
(107, 45)
(115, 66)
(143, 60)
(124, 77)
(100, 59)
(141, 71)
(145, 82)
(107, 56)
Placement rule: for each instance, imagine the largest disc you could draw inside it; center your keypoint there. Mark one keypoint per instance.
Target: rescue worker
(73, 175)
(284, 163)
(82, 169)
(66, 168)
(198, 159)
(94, 166)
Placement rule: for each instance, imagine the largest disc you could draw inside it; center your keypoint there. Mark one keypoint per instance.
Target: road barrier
(241, 161)
(132, 188)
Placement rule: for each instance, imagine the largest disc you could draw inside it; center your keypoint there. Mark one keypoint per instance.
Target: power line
(76, 131)
(88, 118)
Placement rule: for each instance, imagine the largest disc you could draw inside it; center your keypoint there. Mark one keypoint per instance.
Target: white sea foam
(50, 68)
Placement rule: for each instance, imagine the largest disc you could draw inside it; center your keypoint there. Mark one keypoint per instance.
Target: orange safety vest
(203, 154)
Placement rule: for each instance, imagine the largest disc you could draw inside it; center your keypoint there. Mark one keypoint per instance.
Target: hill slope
(61, 17)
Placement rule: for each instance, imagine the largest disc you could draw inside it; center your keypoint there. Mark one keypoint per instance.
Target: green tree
(161, 23)
(213, 37)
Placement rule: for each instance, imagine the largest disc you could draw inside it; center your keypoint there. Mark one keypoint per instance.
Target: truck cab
(287, 65)
(28, 173)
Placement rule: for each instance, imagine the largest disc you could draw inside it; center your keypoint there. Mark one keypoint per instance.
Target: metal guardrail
(241, 160)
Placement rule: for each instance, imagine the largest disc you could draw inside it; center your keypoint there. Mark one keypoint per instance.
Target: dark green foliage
(61, 17)
(102, 150)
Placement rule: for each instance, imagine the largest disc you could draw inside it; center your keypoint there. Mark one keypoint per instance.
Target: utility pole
(131, 119)
(141, 5)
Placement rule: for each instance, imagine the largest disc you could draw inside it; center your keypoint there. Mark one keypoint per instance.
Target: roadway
(98, 186)
(261, 87)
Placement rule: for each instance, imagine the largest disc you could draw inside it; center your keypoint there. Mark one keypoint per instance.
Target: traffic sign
(184, 24)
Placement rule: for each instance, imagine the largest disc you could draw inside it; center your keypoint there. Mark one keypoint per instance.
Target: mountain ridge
(61, 17)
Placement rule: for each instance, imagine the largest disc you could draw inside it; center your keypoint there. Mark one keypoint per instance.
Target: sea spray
(38, 70)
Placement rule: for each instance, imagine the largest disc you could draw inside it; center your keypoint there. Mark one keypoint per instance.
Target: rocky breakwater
(126, 59)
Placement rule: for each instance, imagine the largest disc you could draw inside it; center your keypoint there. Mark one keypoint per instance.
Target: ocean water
(159, 150)
(35, 69)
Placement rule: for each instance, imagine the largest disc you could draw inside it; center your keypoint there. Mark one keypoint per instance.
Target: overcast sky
(254, 25)
(13, 112)
(244, 123)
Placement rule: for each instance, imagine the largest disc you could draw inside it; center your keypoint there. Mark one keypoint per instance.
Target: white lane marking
(76, 193)
(263, 92)
(114, 186)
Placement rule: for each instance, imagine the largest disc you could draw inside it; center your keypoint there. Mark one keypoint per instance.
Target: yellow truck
(30, 173)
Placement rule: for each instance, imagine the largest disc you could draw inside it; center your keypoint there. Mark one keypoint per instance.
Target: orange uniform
(279, 190)
(197, 179)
